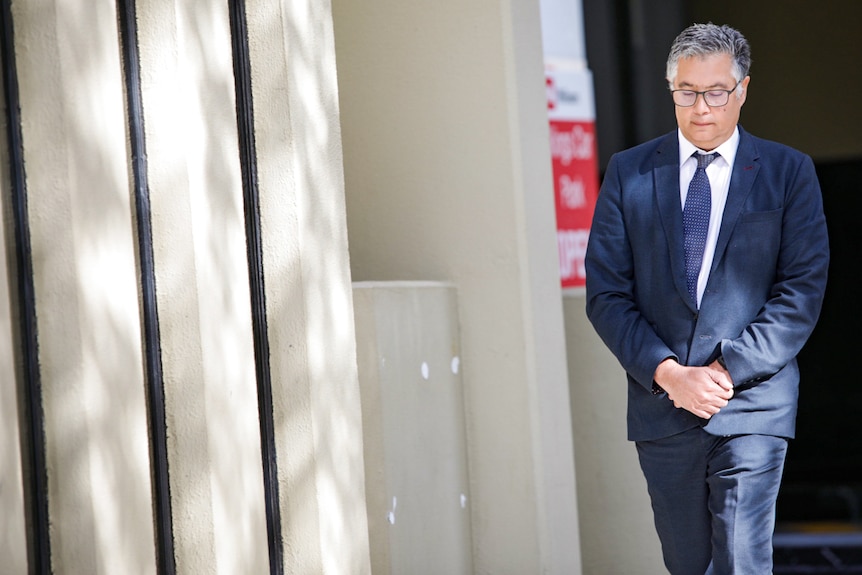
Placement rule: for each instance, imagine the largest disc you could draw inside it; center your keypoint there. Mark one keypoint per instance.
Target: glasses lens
(716, 97)
(684, 98)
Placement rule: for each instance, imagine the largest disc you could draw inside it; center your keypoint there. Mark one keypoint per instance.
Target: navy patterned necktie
(695, 222)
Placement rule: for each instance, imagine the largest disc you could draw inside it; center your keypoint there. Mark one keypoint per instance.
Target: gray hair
(706, 40)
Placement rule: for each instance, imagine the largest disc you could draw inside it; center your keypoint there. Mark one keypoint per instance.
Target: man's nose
(700, 105)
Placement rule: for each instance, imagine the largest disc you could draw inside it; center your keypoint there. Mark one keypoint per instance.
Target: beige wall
(448, 178)
(617, 531)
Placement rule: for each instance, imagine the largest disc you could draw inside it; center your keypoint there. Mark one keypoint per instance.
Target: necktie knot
(703, 160)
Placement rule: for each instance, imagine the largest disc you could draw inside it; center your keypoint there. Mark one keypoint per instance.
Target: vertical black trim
(36, 473)
(626, 69)
(251, 204)
(152, 350)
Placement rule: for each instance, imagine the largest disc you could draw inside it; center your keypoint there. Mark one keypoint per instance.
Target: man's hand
(702, 391)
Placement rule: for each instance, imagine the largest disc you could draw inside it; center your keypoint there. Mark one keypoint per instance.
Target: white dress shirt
(718, 173)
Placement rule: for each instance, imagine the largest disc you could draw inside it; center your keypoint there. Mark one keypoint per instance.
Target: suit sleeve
(611, 302)
(783, 325)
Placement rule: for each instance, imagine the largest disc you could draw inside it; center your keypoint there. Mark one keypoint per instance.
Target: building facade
(194, 191)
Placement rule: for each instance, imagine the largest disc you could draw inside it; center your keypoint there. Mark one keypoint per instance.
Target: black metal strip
(251, 204)
(152, 349)
(36, 473)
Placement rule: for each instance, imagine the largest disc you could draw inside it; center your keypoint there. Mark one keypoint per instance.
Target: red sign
(576, 187)
(575, 168)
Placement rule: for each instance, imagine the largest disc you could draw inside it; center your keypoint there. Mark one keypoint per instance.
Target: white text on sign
(574, 144)
(572, 245)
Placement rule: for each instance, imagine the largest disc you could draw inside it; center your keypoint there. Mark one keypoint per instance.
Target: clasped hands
(702, 391)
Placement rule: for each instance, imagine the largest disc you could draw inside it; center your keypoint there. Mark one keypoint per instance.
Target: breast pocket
(757, 237)
(767, 216)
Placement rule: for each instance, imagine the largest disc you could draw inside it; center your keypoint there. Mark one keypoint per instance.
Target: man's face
(706, 127)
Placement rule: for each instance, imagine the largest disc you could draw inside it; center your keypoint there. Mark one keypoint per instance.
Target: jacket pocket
(767, 216)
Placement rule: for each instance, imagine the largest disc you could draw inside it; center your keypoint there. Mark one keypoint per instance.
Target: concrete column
(308, 290)
(86, 287)
(202, 286)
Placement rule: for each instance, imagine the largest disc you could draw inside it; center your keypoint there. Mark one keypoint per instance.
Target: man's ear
(744, 91)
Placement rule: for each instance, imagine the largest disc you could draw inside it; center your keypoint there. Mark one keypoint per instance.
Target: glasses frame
(703, 95)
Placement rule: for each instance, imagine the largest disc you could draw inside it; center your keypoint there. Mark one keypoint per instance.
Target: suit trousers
(713, 500)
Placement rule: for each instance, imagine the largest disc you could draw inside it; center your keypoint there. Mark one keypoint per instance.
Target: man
(705, 277)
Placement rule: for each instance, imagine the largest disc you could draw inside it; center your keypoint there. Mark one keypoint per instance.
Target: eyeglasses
(713, 98)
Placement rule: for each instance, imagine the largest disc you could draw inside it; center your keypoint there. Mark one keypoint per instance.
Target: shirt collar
(727, 150)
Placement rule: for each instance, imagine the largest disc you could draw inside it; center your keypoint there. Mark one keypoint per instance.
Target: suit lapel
(745, 169)
(666, 181)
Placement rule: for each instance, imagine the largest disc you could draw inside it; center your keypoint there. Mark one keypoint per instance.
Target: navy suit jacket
(762, 299)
